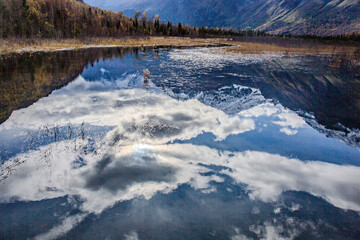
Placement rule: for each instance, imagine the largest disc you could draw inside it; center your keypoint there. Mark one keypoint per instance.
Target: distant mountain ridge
(317, 17)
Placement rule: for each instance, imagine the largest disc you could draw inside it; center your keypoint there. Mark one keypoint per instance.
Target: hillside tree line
(75, 19)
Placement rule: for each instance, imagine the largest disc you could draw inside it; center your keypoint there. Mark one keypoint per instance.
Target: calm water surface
(214, 146)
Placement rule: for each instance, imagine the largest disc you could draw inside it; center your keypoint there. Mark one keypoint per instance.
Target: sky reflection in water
(109, 157)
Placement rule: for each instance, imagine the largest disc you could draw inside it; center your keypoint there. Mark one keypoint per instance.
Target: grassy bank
(245, 45)
(33, 45)
(256, 45)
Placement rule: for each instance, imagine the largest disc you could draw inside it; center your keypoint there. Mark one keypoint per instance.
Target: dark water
(213, 146)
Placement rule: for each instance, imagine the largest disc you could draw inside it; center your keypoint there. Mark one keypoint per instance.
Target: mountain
(76, 19)
(320, 17)
(236, 98)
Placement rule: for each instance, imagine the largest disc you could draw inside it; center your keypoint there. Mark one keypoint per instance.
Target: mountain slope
(75, 19)
(321, 17)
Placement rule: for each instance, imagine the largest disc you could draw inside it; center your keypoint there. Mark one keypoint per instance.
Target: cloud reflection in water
(138, 157)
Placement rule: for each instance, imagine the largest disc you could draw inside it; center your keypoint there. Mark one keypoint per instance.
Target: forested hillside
(60, 18)
(71, 18)
(315, 17)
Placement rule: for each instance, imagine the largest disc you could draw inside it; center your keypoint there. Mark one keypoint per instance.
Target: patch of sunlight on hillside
(348, 3)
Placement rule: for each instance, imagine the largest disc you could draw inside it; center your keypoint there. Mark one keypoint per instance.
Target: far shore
(239, 45)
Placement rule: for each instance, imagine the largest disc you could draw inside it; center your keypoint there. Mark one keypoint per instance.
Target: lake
(217, 144)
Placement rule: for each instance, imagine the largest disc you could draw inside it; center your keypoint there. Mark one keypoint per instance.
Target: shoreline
(32, 50)
(14, 46)
(9, 47)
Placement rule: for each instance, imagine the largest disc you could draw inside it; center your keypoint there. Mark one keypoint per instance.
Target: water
(214, 146)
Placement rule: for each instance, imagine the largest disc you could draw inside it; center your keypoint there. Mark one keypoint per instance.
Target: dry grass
(300, 47)
(31, 45)
(245, 47)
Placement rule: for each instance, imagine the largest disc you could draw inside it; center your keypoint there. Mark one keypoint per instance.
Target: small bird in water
(146, 75)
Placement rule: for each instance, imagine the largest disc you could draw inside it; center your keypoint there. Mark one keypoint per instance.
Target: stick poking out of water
(146, 75)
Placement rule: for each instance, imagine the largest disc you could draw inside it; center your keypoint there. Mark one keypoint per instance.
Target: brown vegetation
(305, 47)
(240, 45)
(33, 45)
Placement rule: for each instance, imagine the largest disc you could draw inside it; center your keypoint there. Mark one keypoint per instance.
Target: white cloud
(290, 119)
(288, 131)
(287, 119)
(164, 167)
(138, 114)
(239, 237)
(266, 109)
(138, 158)
(67, 224)
(131, 236)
